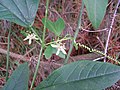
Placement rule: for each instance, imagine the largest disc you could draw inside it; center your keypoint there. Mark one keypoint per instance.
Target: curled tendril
(97, 51)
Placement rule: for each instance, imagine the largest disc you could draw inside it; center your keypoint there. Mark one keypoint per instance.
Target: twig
(27, 52)
(22, 57)
(95, 31)
(14, 55)
(109, 33)
(98, 58)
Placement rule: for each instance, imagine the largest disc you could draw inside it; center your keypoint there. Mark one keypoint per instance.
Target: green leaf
(21, 12)
(50, 50)
(23, 33)
(82, 75)
(96, 10)
(56, 27)
(61, 54)
(59, 25)
(19, 79)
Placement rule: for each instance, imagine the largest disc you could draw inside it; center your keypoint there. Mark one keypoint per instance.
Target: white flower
(30, 37)
(59, 48)
(74, 41)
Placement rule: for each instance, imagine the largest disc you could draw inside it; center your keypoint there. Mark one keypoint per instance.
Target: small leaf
(62, 55)
(19, 79)
(21, 12)
(96, 10)
(82, 75)
(56, 27)
(49, 25)
(48, 52)
(59, 25)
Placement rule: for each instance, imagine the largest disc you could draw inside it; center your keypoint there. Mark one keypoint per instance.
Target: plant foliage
(96, 10)
(82, 75)
(79, 75)
(19, 79)
(21, 12)
(49, 51)
(56, 27)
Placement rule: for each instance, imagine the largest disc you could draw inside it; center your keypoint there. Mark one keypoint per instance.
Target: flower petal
(63, 51)
(25, 39)
(54, 46)
(58, 51)
(30, 41)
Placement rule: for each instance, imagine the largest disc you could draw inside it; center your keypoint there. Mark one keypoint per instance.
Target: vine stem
(36, 70)
(76, 33)
(110, 30)
(42, 47)
(44, 29)
(8, 51)
(59, 40)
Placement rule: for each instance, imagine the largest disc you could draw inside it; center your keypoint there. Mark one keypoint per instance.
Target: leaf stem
(76, 33)
(8, 51)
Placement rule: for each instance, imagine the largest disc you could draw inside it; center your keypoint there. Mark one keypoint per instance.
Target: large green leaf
(56, 27)
(21, 12)
(19, 79)
(82, 75)
(96, 10)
